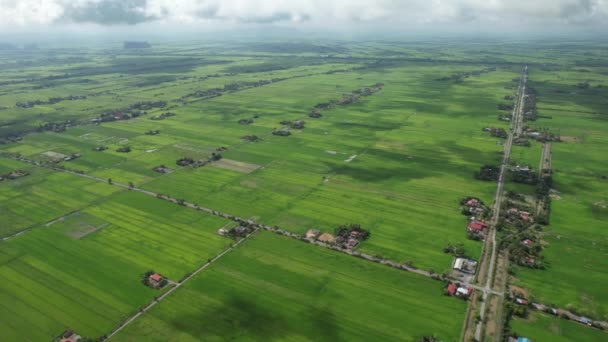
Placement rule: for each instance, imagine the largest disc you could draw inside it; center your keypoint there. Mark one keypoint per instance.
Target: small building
(464, 291)
(155, 279)
(477, 226)
(352, 243)
(452, 288)
(312, 234)
(472, 202)
(327, 238)
(465, 265)
(69, 336)
(527, 242)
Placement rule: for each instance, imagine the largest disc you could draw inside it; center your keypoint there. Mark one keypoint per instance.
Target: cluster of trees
(162, 116)
(523, 176)
(185, 161)
(14, 174)
(245, 121)
(497, 132)
(124, 149)
(251, 138)
(530, 112)
(456, 250)
(505, 106)
(152, 132)
(488, 173)
(53, 126)
(298, 124)
(50, 101)
(459, 77)
(346, 229)
(281, 132)
(315, 113)
(133, 111)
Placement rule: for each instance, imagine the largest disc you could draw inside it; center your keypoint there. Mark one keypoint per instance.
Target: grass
(275, 288)
(544, 328)
(414, 146)
(576, 243)
(53, 280)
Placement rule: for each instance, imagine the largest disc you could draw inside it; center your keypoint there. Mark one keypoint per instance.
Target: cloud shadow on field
(239, 316)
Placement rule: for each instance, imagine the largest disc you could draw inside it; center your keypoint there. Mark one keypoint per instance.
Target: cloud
(108, 12)
(323, 13)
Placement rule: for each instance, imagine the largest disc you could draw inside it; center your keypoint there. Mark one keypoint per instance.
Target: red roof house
(452, 289)
(472, 202)
(156, 277)
(477, 226)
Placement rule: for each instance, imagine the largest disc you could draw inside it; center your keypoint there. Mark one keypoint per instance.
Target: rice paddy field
(275, 288)
(576, 248)
(545, 328)
(396, 162)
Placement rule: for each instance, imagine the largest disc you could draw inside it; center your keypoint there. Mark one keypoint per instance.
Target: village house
(162, 169)
(527, 243)
(69, 336)
(465, 265)
(452, 288)
(155, 280)
(464, 292)
(312, 234)
(476, 226)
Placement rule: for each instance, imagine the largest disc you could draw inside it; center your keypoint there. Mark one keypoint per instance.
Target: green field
(544, 328)
(576, 241)
(396, 162)
(274, 288)
(83, 273)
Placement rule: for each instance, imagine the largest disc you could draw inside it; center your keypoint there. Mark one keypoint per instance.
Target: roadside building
(452, 288)
(155, 280)
(476, 226)
(312, 234)
(465, 265)
(69, 336)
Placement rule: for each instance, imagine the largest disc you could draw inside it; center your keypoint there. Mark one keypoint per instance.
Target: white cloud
(23, 13)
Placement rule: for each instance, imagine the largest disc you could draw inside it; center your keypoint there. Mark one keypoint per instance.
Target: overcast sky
(330, 15)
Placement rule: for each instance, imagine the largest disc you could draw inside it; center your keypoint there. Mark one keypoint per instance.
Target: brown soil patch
(235, 165)
(570, 139)
(519, 291)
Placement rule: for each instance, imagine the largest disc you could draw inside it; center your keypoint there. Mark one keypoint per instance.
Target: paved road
(516, 129)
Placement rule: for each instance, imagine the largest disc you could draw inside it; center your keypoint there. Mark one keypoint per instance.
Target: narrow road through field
(490, 246)
(177, 286)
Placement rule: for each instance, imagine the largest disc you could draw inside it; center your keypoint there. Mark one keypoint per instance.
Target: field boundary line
(178, 284)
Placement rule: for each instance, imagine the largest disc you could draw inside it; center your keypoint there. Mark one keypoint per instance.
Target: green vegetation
(84, 272)
(388, 137)
(545, 328)
(277, 288)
